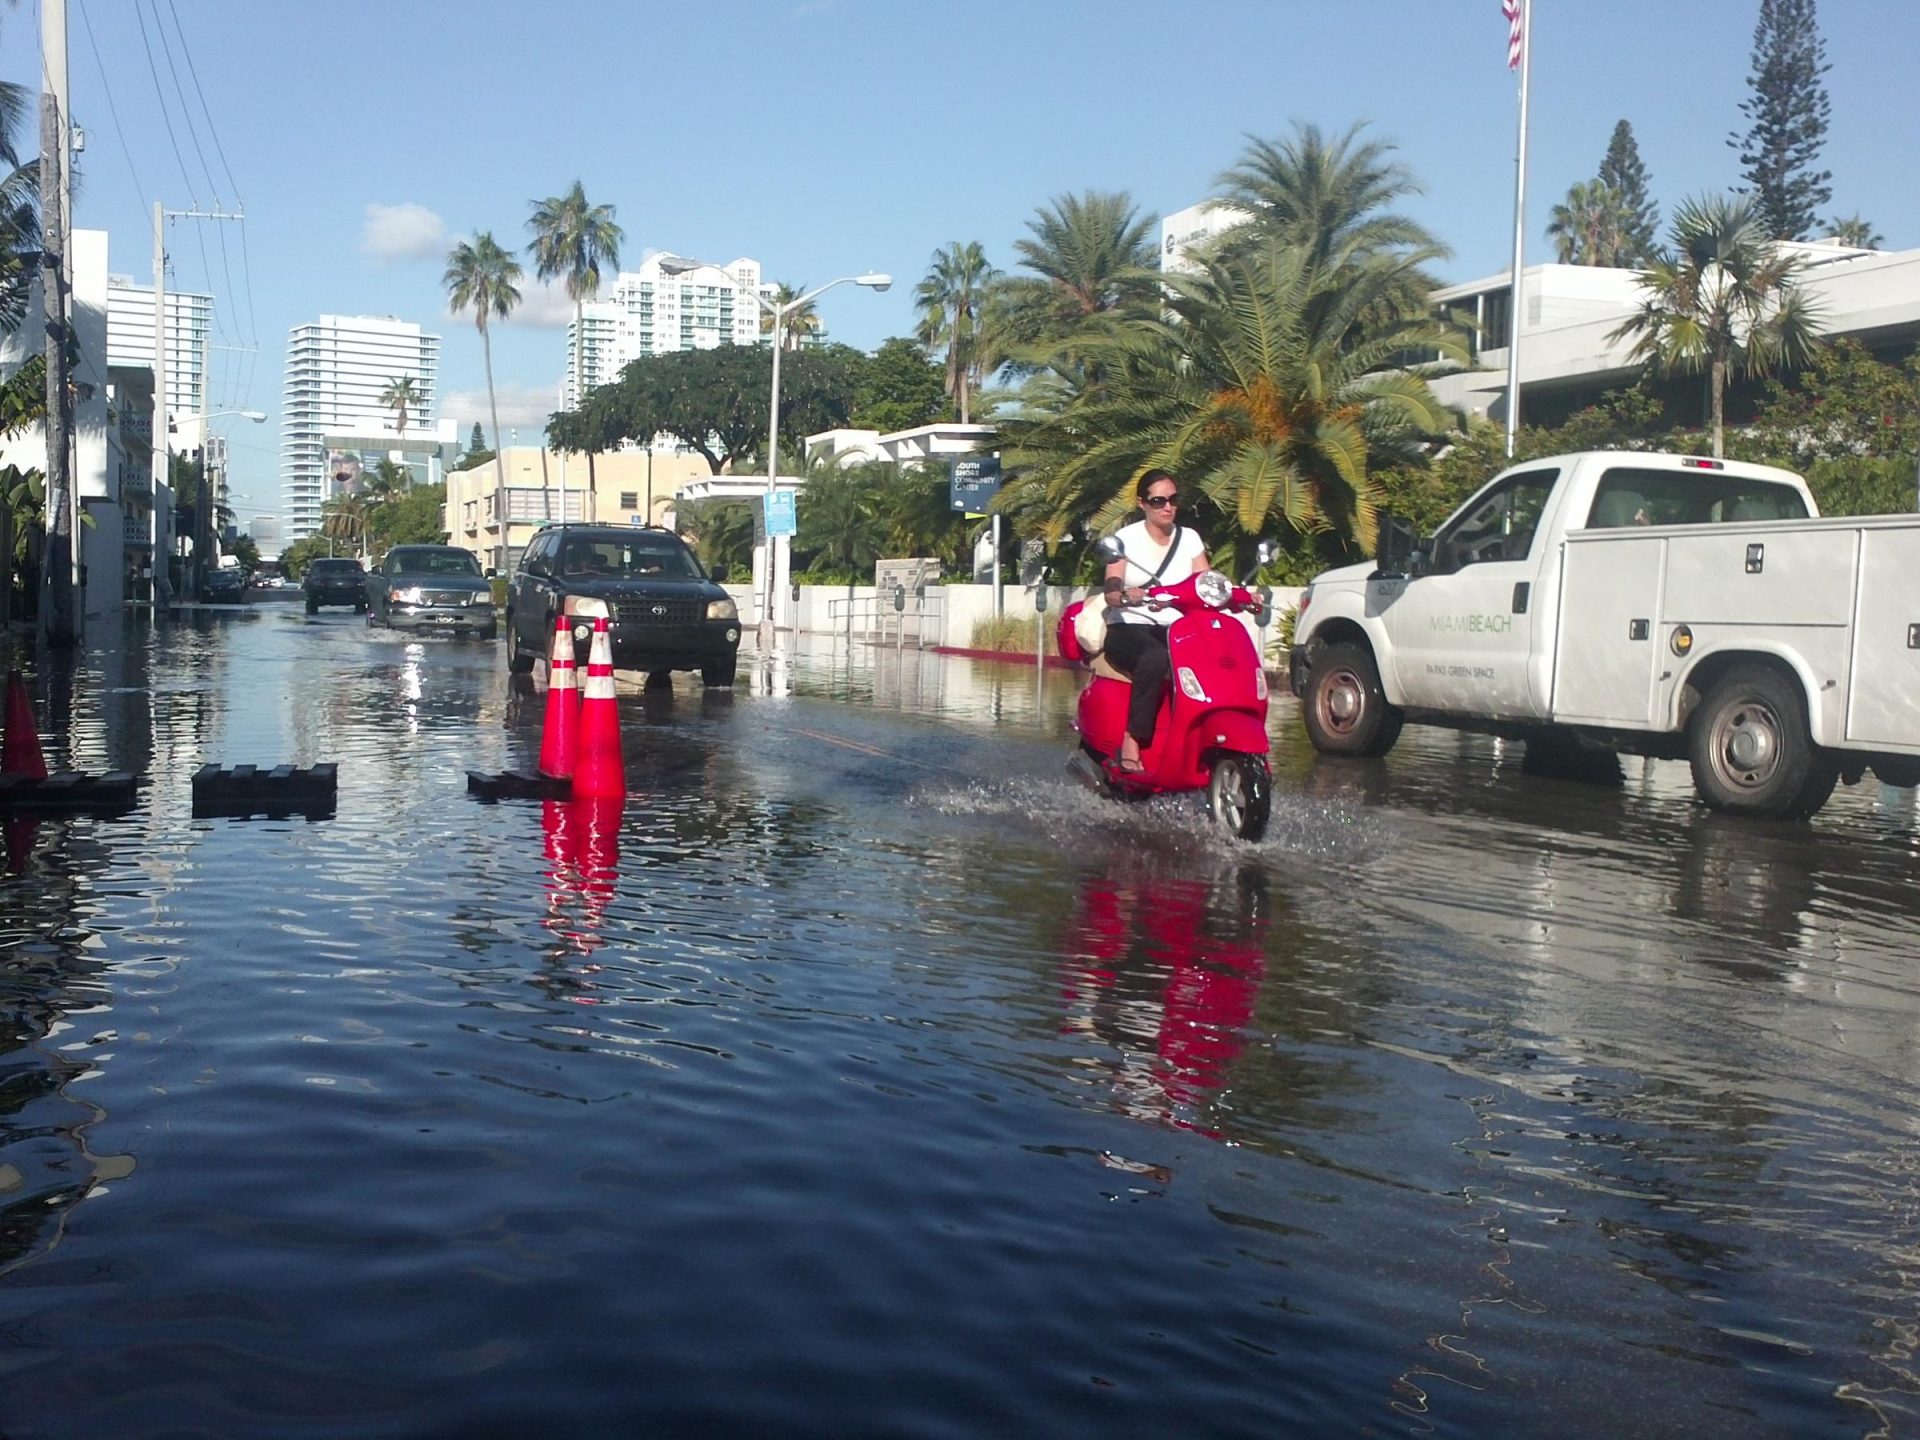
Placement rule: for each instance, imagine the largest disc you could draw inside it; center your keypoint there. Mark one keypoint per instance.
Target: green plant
(1007, 633)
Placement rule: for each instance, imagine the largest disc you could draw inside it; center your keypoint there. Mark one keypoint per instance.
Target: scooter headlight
(1214, 589)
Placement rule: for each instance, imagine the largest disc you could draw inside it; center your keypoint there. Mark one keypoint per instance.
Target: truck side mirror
(1394, 551)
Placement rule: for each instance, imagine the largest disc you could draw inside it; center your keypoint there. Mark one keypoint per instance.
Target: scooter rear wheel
(1240, 795)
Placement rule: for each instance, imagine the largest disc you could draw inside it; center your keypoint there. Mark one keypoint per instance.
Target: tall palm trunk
(1718, 381)
(499, 460)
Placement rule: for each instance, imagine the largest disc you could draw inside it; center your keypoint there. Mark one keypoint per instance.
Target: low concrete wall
(948, 614)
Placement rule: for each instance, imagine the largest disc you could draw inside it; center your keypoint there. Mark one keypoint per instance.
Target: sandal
(1126, 766)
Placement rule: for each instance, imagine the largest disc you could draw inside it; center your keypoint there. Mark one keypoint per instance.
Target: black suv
(664, 612)
(335, 582)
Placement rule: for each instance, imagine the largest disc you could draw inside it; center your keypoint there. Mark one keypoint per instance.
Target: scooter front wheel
(1240, 795)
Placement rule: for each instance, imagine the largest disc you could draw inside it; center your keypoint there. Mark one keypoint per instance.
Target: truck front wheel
(1752, 751)
(1345, 710)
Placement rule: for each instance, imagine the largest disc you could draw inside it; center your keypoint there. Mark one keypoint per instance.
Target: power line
(161, 95)
(112, 110)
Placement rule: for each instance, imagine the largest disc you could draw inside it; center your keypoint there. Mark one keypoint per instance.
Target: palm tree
(19, 210)
(484, 278)
(344, 519)
(402, 396)
(1272, 385)
(1855, 231)
(1090, 255)
(950, 298)
(1726, 296)
(1592, 227)
(572, 241)
(801, 323)
(1329, 197)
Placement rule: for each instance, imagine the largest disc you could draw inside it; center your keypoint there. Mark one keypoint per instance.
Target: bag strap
(1173, 548)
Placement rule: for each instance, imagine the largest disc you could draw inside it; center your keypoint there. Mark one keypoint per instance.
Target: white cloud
(403, 232)
(542, 306)
(523, 406)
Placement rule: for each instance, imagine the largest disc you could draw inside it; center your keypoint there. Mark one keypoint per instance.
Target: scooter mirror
(1110, 549)
(1266, 550)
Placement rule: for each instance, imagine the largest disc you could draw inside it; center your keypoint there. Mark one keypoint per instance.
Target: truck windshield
(1669, 497)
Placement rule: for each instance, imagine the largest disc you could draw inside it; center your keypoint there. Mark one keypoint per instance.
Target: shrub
(1008, 633)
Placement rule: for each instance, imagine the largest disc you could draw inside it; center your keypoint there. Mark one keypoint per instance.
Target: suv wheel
(718, 674)
(519, 662)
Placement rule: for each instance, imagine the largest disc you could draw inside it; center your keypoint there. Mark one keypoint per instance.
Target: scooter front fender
(1235, 730)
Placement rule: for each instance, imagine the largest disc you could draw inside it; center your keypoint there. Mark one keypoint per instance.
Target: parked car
(431, 587)
(335, 582)
(223, 587)
(664, 611)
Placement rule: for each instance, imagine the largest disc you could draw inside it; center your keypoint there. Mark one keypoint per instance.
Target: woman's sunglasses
(1161, 502)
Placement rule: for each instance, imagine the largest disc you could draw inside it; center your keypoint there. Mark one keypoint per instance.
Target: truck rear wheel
(1345, 710)
(1752, 751)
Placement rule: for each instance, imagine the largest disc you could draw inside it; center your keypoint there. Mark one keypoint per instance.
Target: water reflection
(582, 851)
(1164, 971)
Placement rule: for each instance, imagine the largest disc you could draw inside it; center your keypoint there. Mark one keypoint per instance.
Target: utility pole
(162, 429)
(57, 610)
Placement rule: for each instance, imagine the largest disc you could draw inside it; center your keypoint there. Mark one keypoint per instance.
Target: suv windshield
(432, 562)
(638, 557)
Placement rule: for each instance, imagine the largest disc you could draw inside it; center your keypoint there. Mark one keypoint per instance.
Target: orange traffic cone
(598, 772)
(20, 751)
(559, 730)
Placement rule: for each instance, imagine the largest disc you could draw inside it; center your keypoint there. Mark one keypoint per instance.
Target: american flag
(1511, 9)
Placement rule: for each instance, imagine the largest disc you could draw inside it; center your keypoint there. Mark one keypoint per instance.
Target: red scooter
(1212, 730)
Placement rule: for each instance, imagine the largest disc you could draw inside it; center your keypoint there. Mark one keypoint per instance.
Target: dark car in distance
(335, 582)
(663, 611)
(431, 587)
(223, 587)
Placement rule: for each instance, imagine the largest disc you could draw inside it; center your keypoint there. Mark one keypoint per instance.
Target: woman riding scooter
(1157, 546)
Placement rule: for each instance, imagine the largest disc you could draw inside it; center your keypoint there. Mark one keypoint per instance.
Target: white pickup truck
(1655, 604)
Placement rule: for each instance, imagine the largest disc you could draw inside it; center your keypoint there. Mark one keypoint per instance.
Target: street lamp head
(873, 280)
(256, 416)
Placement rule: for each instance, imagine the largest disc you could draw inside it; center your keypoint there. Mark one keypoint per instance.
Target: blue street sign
(973, 482)
(782, 517)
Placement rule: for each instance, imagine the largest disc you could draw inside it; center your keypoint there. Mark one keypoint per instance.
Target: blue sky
(824, 137)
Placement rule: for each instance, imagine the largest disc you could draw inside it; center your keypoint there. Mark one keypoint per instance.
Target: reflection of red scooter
(1212, 731)
(1166, 971)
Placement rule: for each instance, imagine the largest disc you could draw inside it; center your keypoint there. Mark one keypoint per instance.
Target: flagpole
(1519, 230)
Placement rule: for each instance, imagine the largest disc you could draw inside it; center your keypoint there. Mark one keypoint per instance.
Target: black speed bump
(310, 790)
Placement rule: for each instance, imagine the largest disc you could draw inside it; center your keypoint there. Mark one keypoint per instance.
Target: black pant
(1141, 652)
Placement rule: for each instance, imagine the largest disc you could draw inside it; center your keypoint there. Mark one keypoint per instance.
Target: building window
(629, 499)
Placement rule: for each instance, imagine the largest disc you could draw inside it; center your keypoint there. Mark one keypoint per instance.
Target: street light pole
(773, 576)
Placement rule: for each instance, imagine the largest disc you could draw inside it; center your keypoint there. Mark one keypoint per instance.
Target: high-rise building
(336, 372)
(669, 303)
(1185, 231)
(189, 332)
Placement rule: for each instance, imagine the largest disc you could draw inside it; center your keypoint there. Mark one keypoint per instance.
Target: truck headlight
(407, 595)
(591, 607)
(480, 597)
(722, 610)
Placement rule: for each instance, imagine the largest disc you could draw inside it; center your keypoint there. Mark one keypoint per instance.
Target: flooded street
(864, 1076)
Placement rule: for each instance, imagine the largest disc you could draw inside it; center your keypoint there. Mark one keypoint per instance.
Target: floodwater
(864, 1077)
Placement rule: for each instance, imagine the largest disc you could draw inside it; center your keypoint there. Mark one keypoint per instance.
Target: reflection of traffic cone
(597, 771)
(558, 737)
(22, 831)
(20, 752)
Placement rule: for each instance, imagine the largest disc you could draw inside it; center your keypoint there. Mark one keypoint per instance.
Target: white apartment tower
(189, 332)
(669, 303)
(336, 371)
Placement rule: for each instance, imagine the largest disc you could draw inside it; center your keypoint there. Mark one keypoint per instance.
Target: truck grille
(642, 613)
(444, 597)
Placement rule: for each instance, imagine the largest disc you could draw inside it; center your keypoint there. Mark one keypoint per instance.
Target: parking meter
(899, 597)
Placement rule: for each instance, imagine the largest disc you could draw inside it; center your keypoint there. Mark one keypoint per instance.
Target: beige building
(622, 487)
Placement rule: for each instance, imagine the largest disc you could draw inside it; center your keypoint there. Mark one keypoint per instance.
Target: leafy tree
(1624, 172)
(484, 278)
(720, 531)
(1854, 231)
(839, 528)
(384, 482)
(1726, 297)
(715, 401)
(1592, 226)
(19, 208)
(572, 240)
(412, 517)
(1788, 110)
(1086, 256)
(899, 388)
(295, 558)
(477, 441)
(402, 396)
(950, 299)
(1271, 386)
(246, 553)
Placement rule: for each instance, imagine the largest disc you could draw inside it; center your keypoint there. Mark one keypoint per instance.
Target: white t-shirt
(1146, 553)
